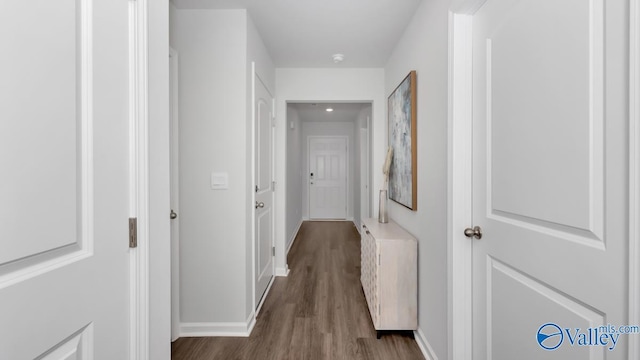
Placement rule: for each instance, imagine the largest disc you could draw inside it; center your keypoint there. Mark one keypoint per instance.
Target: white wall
(305, 85)
(173, 22)
(213, 136)
(360, 123)
(295, 175)
(424, 48)
(216, 49)
(344, 128)
(355, 165)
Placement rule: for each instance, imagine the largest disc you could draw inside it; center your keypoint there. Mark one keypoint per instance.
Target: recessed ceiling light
(329, 109)
(338, 58)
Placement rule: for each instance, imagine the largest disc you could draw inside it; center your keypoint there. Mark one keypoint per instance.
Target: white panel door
(550, 162)
(327, 177)
(264, 187)
(64, 263)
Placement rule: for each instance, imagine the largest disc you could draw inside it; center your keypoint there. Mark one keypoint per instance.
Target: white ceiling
(342, 112)
(304, 33)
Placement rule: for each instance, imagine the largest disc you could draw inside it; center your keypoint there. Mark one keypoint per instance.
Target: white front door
(550, 160)
(327, 177)
(64, 258)
(264, 188)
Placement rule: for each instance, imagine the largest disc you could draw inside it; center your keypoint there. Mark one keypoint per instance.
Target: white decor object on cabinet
(389, 275)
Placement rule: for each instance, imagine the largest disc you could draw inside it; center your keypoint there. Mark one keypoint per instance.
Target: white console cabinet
(389, 275)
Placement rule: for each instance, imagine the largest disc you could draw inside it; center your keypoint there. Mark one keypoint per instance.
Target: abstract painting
(403, 183)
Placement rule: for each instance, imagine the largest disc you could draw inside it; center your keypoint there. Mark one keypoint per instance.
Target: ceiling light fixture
(338, 58)
(329, 109)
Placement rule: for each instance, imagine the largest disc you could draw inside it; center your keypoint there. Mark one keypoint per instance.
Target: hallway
(317, 312)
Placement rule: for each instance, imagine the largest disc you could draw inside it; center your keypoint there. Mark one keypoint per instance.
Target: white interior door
(327, 177)
(264, 188)
(175, 195)
(550, 161)
(64, 189)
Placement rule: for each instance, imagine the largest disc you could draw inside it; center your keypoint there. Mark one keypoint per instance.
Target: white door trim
(459, 197)
(347, 164)
(634, 173)
(139, 178)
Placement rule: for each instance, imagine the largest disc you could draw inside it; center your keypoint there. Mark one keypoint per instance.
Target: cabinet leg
(378, 334)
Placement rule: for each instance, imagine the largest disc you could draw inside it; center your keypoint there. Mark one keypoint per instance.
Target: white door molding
(459, 197)
(634, 173)
(139, 178)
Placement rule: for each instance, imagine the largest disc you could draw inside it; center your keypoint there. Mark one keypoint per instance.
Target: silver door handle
(173, 215)
(476, 232)
(259, 204)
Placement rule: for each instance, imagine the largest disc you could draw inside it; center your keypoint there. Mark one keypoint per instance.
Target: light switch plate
(219, 181)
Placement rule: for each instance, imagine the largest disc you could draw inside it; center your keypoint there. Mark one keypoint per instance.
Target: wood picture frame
(402, 115)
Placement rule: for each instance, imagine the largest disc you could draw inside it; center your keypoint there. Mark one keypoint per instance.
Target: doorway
(264, 187)
(350, 120)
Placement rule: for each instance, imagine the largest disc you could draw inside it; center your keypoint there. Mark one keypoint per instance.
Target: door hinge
(133, 232)
(273, 251)
(273, 186)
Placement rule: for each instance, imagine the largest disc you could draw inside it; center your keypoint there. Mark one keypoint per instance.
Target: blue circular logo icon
(550, 336)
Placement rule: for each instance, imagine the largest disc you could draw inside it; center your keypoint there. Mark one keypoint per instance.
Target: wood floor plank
(318, 312)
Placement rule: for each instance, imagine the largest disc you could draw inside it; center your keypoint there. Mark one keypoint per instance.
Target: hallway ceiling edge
(307, 33)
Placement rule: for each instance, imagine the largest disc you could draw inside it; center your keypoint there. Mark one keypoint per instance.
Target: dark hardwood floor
(317, 312)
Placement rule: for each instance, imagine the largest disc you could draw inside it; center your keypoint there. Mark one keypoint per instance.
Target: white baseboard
(232, 329)
(282, 271)
(251, 322)
(424, 346)
(294, 236)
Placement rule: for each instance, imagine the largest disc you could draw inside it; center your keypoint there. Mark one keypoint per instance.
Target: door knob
(259, 204)
(173, 215)
(476, 232)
